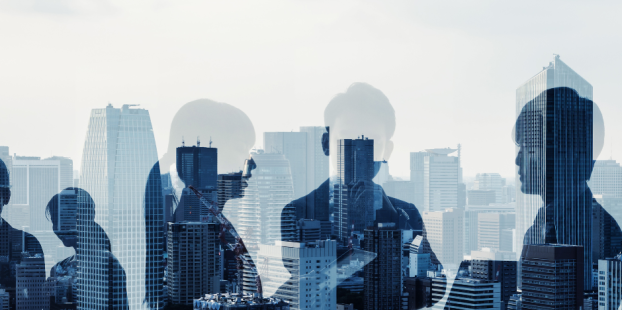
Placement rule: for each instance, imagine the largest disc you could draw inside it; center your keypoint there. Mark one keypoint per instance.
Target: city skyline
(479, 69)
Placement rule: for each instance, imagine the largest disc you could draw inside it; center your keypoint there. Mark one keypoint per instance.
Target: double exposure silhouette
(72, 214)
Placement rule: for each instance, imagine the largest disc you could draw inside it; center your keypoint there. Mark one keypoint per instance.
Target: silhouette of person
(361, 111)
(233, 134)
(8, 261)
(555, 136)
(227, 126)
(78, 230)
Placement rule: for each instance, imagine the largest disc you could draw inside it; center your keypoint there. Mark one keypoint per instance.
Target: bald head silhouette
(230, 130)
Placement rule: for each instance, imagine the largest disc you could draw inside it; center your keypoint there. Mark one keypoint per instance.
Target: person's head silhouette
(5, 186)
(361, 111)
(67, 221)
(229, 128)
(558, 134)
(64, 221)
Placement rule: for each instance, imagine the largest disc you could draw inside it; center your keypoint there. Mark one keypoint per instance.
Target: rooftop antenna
(198, 141)
(210, 142)
(183, 143)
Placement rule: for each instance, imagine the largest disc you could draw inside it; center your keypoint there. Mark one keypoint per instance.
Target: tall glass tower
(120, 171)
(555, 127)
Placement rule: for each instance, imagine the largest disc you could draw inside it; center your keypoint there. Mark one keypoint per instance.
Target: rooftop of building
(237, 299)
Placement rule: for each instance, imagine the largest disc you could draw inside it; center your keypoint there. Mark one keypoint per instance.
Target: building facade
(120, 172)
(355, 162)
(444, 231)
(552, 276)
(310, 270)
(555, 99)
(440, 180)
(193, 266)
(383, 275)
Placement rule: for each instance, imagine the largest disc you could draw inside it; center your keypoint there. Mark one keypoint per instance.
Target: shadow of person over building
(558, 134)
(93, 273)
(228, 135)
(12, 240)
(359, 126)
(226, 126)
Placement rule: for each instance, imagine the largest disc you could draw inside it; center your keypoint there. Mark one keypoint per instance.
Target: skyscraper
(490, 182)
(481, 294)
(606, 179)
(383, 275)
(440, 180)
(609, 285)
(444, 231)
(548, 105)
(293, 145)
(35, 182)
(196, 166)
(496, 266)
(193, 261)
(563, 288)
(355, 162)
(317, 161)
(31, 290)
(417, 162)
(491, 227)
(264, 214)
(120, 171)
(313, 280)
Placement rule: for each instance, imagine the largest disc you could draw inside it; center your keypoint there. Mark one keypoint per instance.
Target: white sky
(450, 69)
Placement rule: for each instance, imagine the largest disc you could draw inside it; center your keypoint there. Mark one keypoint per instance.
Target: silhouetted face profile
(5, 188)
(558, 134)
(65, 229)
(230, 130)
(361, 111)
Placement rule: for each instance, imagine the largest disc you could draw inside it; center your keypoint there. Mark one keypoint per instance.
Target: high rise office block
(355, 162)
(546, 121)
(606, 179)
(491, 227)
(293, 145)
(313, 280)
(31, 289)
(4, 299)
(419, 259)
(471, 222)
(417, 160)
(309, 168)
(490, 182)
(383, 275)
(193, 261)
(480, 197)
(609, 285)
(552, 276)
(467, 293)
(198, 166)
(444, 231)
(120, 171)
(317, 161)
(264, 215)
(498, 267)
(229, 187)
(440, 180)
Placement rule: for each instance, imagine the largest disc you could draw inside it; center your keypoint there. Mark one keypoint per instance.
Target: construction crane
(239, 249)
